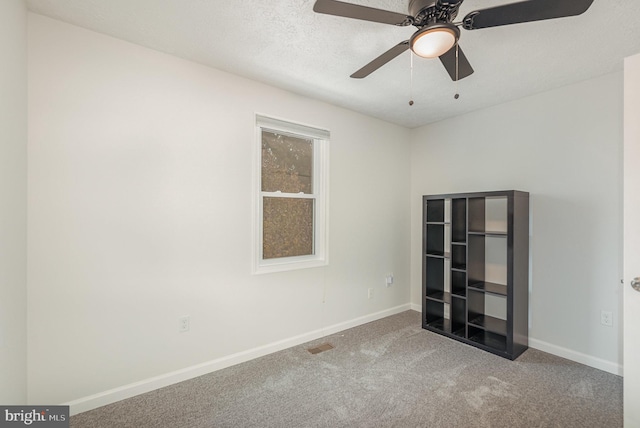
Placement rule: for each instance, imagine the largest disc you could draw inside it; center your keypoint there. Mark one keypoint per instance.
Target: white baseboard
(127, 391)
(569, 354)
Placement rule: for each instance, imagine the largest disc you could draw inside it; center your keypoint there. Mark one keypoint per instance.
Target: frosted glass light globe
(433, 42)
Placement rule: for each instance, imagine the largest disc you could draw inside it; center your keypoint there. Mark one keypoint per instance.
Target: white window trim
(320, 190)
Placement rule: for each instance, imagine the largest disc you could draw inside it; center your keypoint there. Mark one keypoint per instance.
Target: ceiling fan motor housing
(427, 12)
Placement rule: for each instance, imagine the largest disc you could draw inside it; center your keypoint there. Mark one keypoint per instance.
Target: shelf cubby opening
(458, 316)
(480, 303)
(496, 214)
(434, 271)
(440, 324)
(476, 260)
(435, 316)
(458, 283)
(458, 256)
(435, 240)
(488, 323)
(434, 310)
(495, 306)
(459, 220)
(495, 260)
(476, 215)
(488, 339)
(488, 215)
(435, 211)
(475, 303)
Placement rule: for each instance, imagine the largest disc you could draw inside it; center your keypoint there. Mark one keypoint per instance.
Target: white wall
(631, 246)
(13, 202)
(564, 147)
(140, 199)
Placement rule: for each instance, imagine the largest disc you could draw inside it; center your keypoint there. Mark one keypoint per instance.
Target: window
(291, 196)
(292, 192)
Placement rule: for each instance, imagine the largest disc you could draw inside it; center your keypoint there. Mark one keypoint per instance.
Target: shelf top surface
(486, 322)
(491, 194)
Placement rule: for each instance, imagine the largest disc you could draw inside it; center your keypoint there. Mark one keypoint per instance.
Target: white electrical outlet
(184, 323)
(389, 280)
(370, 294)
(606, 318)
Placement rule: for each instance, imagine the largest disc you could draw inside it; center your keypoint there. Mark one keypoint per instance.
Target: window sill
(289, 263)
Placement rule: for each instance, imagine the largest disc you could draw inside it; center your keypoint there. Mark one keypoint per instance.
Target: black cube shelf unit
(475, 269)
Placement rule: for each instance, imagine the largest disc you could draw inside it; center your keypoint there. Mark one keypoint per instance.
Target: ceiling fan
(438, 35)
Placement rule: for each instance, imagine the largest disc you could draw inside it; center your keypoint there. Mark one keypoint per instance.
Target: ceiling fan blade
(381, 60)
(526, 11)
(449, 61)
(348, 10)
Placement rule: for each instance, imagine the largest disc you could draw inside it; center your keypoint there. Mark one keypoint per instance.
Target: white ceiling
(285, 44)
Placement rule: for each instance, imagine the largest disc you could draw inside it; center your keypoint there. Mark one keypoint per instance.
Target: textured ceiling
(285, 44)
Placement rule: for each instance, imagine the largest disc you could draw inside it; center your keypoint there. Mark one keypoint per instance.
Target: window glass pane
(287, 163)
(287, 227)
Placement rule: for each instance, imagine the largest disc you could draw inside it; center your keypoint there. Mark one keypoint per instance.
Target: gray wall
(141, 210)
(13, 200)
(564, 147)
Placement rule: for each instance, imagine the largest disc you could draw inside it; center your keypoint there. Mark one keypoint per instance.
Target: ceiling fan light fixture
(434, 40)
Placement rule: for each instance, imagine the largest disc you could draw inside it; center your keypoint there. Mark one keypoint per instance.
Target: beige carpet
(388, 373)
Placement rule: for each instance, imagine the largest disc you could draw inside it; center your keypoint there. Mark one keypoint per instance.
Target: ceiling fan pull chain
(411, 78)
(457, 95)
